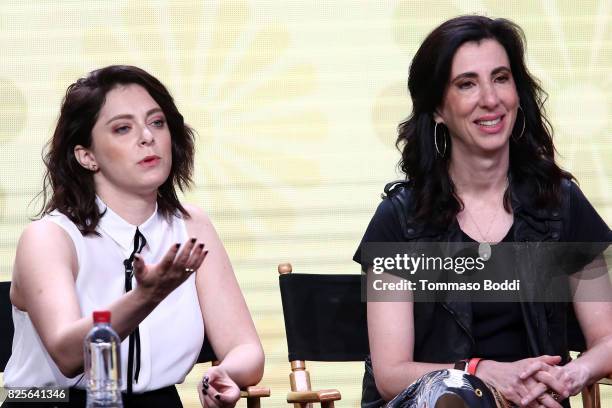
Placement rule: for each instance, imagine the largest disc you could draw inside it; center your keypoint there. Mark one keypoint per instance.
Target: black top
(498, 327)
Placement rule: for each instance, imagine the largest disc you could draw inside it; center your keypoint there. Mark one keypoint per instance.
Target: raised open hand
(158, 280)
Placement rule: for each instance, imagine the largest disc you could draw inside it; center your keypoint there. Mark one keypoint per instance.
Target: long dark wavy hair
(532, 154)
(69, 187)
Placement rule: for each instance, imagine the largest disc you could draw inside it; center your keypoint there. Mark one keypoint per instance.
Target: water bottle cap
(101, 316)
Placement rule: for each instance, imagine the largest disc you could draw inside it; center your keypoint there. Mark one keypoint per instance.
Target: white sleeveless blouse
(170, 337)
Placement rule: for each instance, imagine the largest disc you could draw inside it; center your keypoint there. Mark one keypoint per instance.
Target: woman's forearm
(593, 364)
(126, 313)
(244, 364)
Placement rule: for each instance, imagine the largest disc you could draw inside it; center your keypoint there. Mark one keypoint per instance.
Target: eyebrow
(128, 116)
(475, 75)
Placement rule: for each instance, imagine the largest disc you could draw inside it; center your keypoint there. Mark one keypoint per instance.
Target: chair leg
(253, 402)
(591, 397)
(300, 380)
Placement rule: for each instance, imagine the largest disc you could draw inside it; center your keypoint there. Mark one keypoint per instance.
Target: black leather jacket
(443, 331)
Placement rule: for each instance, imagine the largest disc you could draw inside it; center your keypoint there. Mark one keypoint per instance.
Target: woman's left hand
(217, 389)
(574, 375)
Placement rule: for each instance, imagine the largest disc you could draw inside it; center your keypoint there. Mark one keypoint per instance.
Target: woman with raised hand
(479, 162)
(114, 235)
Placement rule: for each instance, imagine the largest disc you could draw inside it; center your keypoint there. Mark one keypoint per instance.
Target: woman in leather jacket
(479, 161)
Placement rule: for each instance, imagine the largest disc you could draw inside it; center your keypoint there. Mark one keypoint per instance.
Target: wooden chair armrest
(255, 392)
(606, 380)
(313, 396)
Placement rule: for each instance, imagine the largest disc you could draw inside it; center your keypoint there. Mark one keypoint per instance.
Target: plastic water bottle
(102, 364)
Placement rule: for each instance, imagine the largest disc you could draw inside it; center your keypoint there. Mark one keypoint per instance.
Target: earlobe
(437, 118)
(85, 158)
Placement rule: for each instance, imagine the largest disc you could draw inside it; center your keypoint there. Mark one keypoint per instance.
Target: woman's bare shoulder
(43, 249)
(43, 232)
(198, 218)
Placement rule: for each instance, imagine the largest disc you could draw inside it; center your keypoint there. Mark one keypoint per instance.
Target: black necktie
(134, 344)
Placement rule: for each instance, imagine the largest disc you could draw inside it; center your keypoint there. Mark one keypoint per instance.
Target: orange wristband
(473, 365)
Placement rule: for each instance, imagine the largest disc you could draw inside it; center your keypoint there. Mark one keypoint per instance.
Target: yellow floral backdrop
(295, 104)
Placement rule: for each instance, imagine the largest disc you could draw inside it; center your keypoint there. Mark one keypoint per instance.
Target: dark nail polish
(177, 246)
(205, 385)
(201, 246)
(204, 391)
(193, 240)
(217, 397)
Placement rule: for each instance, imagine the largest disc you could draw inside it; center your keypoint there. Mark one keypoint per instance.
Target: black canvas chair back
(206, 353)
(325, 320)
(6, 324)
(575, 338)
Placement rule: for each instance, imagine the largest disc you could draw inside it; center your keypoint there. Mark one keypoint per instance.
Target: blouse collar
(121, 231)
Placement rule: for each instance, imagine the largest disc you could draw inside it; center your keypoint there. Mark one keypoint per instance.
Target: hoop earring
(516, 139)
(442, 154)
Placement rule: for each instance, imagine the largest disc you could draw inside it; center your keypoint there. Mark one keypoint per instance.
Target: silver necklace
(484, 248)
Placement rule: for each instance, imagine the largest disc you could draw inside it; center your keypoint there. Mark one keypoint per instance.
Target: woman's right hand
(156, 281)
(218, 390)
(527, 392)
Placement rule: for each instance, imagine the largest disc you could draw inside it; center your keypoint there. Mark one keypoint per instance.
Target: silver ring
(189, 270)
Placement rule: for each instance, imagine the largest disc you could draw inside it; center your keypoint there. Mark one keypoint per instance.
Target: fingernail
(204, 391)
(201, 246)
(193, 240)
(206, 378)
(177, 245)
(205, 385)
(218, 397)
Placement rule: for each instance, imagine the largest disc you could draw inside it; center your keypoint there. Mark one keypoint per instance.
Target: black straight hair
(532, 153)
